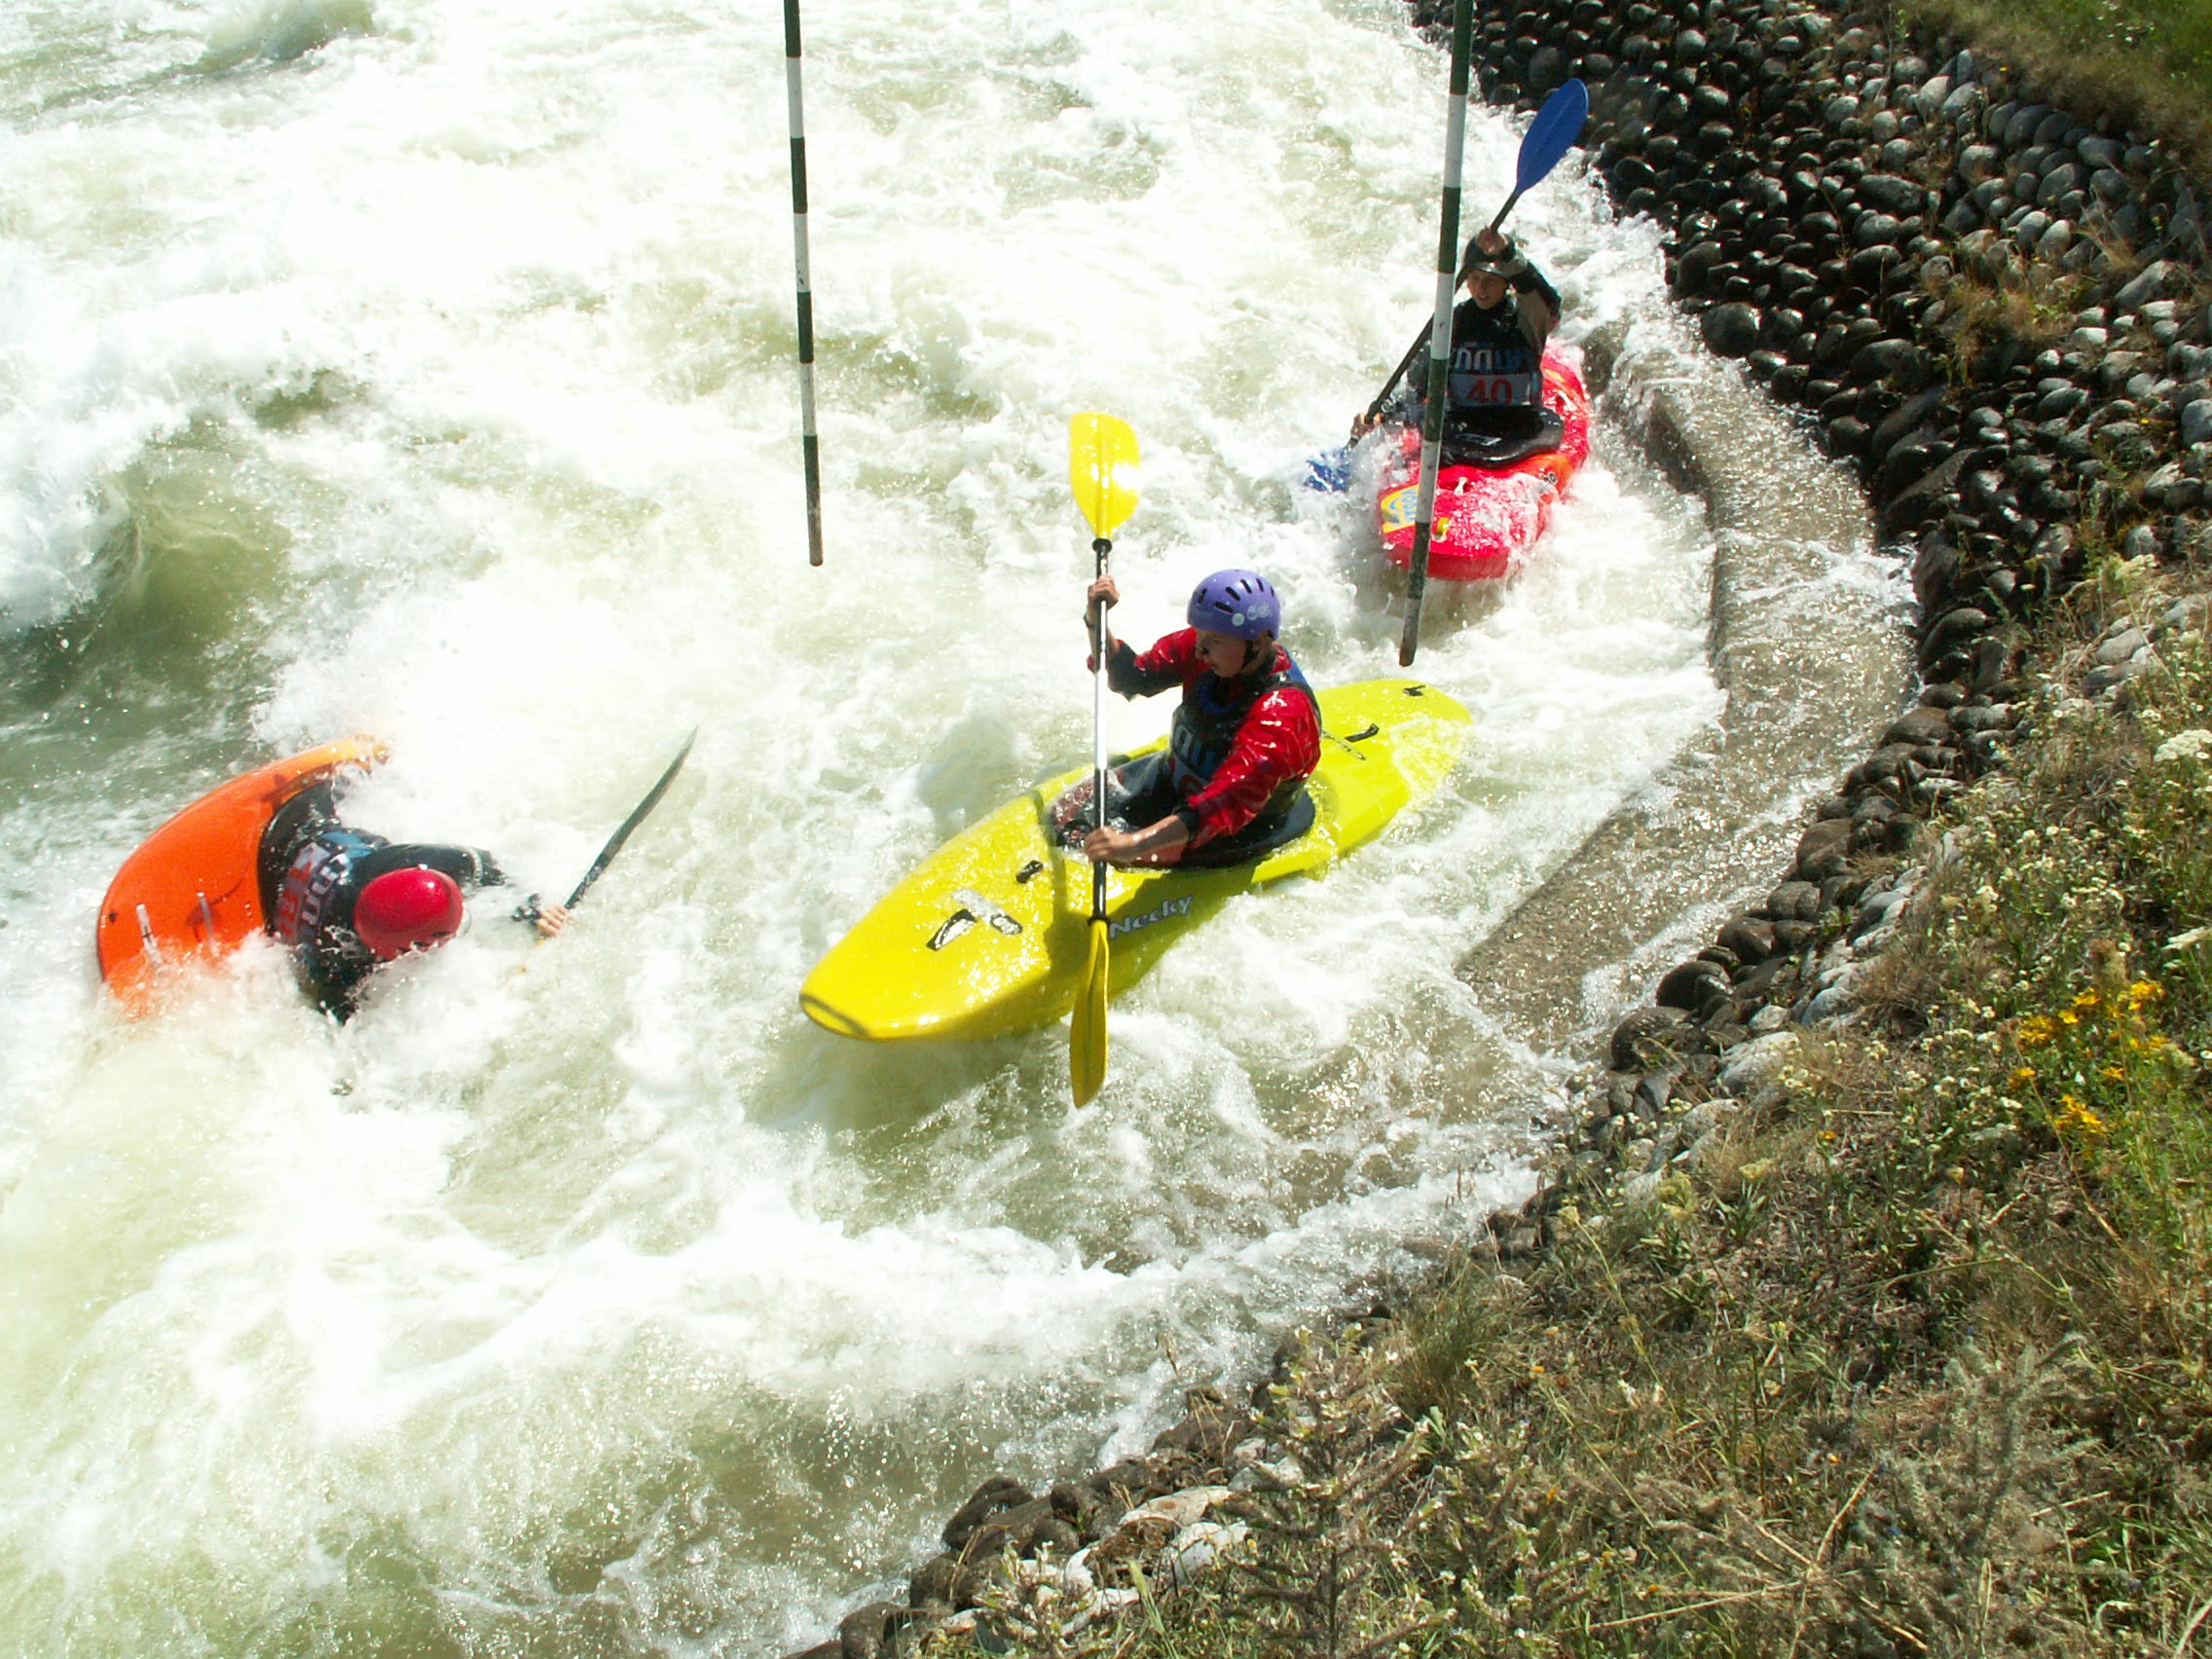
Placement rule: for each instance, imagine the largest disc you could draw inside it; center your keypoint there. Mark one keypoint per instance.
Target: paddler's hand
(1156, 844)
(550, 919)
(1107, 846)
(1364, 423)
(1102, 592)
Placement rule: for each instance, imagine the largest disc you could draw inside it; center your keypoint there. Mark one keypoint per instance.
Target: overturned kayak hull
(1486, 519)
(988, 937)
(193, 892)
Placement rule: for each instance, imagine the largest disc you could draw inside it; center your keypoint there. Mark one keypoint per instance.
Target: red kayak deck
(193, 889)
(1487, 518)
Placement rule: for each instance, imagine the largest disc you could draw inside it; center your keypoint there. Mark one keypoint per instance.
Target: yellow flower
(2145, 991)
(2036, 1030)
(2074, 1120)
(2022, 1075)
(2116, 1073)
(2088, 999)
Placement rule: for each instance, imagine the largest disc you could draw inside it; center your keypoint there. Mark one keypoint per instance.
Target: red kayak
(1487, 518)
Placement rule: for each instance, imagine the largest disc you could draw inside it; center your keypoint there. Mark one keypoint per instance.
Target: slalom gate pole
(1440, 329)
(810, 444)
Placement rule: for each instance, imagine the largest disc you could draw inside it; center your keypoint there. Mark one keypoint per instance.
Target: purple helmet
(1238, 603)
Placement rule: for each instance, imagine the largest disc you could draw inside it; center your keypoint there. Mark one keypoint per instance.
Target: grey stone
(2123, 646)
(1919, 726)
(1794, 901)
(2155, 280)
(1824, 849)
(1752, 1063)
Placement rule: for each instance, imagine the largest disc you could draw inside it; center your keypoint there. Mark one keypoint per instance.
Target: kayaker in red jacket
(1231, 783)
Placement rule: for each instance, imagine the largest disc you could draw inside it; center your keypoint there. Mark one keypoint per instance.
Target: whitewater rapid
(424, 368)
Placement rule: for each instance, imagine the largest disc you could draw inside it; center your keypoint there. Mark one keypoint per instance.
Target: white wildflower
(2190, 745)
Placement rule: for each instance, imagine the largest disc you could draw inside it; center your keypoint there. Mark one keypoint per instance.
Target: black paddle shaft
(1101, 547)
(636, 817)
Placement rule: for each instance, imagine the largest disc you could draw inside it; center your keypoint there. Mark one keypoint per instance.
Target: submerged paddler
(1230, 785)
(344, 902)
(1494, 411)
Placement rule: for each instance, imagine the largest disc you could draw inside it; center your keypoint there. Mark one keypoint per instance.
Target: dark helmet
(1507, 262)
(1238, 603)
(407, 909)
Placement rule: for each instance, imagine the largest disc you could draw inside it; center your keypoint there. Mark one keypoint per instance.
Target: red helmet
(407, 909)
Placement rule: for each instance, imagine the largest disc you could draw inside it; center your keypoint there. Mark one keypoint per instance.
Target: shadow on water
(172, 643)
(282, 34)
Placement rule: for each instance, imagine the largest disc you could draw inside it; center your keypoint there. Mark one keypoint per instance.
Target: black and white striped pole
(1440, 328)
(810, 445)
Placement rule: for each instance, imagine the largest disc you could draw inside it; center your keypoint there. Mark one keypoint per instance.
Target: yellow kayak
(989, 935)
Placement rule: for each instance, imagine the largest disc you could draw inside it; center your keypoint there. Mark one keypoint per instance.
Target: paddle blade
(1098, 446)
(1558, 124)
(1086, 1031)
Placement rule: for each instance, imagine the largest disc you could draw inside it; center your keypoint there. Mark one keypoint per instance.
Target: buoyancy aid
(1494, 364)
(1204, 730)
(307, 911)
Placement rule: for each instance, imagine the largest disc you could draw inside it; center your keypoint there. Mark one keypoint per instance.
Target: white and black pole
(1440, 327)
(810, 445)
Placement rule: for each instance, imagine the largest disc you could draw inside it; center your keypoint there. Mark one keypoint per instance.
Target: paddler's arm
(1535, 297)
(474, 870)
(1126, 673)
(1103, 594)
(1156, 844)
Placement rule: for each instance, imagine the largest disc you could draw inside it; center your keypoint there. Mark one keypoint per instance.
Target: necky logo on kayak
(1168, 908)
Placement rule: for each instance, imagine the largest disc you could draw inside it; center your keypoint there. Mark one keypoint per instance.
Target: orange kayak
(192, 891)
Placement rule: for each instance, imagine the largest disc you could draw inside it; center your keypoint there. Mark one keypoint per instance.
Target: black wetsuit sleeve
(1126, 676)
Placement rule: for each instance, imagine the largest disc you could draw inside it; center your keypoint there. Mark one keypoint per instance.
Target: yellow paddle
(1098, 444)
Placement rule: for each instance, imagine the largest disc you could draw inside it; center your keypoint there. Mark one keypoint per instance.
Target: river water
(423, 367)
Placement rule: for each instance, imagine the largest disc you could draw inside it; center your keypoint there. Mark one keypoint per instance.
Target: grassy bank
(1920, 1364)
(2149, 62)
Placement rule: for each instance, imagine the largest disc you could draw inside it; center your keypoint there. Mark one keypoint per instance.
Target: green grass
(2147, 62)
